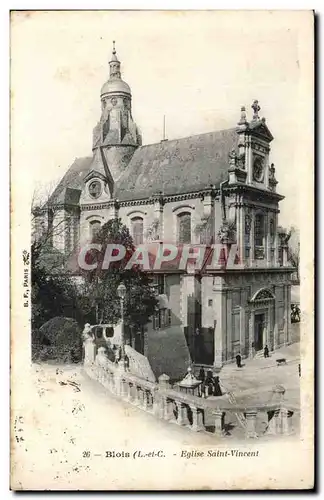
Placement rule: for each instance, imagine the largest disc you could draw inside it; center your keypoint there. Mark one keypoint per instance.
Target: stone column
(158, 214)
(276, 320)
(220, 329)
(251, 424)
(252, 238)
(219, 420)
(248, 158)
(228, 332)
(251, 334)
(240, 231)
(268, 240)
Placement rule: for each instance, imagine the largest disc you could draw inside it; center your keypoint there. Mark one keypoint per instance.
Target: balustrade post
(123, 388)
(251, 424)
(285, 421)
(145, 399)
(128, 390)
(182, 418)
(219, 421)
(157, 405)
(137, 399)
(273, 423)
(197, 419)
(168, 409)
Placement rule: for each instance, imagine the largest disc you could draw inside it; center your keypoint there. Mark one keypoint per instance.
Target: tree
(54, 291)
(101, 284)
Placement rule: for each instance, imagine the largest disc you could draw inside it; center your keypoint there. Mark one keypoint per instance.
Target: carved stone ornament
(248, 221)
(258, 168)
(152, 232)
(227, 233)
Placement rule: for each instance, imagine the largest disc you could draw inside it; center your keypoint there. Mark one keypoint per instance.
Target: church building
(216, 187)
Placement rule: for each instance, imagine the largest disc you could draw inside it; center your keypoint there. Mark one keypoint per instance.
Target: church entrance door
(259, 326)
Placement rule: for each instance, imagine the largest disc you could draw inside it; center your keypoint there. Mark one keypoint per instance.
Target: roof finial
(256, 108)
(243, 116)
(114, 48)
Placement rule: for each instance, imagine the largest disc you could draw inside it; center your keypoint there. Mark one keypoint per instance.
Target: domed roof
(115, 85)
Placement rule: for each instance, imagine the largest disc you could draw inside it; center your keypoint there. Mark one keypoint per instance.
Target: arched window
(184, 227)
(95, 227)
(137, 230)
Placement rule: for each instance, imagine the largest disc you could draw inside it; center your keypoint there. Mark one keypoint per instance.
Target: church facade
(217, 187)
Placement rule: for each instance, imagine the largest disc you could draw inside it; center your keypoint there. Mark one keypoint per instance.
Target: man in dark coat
(266, 352)
(217, 389)
(238, 361)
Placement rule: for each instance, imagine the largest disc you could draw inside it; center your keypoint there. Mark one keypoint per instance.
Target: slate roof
(173, 167)
(177, 166)
(69, 188)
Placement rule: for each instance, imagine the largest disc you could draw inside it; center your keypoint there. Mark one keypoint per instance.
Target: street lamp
(121, 292)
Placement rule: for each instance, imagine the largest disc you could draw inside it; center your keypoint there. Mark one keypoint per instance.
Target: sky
(197, 68)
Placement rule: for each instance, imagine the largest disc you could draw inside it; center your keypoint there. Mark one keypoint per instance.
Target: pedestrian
(209, 383)
(266, 352)
(238, 361)
(217, 388)
(202, 375)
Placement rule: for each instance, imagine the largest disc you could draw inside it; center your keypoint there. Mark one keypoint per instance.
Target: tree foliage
(101, 284)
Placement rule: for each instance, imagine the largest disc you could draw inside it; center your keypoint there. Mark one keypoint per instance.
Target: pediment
(262, 294)
(94, 174)
(260, 128)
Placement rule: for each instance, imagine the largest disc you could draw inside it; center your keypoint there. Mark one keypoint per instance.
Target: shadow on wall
(168, 352)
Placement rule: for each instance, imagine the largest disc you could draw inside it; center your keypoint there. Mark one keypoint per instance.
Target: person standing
(266, 352)
(217, 388)
(238, 361)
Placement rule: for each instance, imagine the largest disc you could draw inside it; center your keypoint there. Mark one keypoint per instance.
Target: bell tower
(116, 134)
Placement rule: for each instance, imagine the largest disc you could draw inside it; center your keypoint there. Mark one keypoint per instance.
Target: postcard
(162, 210)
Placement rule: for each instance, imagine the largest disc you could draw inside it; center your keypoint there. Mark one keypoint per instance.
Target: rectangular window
(210, 302)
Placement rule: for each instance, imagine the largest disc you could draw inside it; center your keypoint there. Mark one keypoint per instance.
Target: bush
(58, 339)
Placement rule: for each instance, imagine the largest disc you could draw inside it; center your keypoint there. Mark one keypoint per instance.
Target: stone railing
(187, 410)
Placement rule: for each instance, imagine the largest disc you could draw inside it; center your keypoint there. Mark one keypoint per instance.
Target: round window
(95, 189)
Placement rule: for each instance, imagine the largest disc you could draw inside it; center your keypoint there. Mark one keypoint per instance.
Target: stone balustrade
(186, 410)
